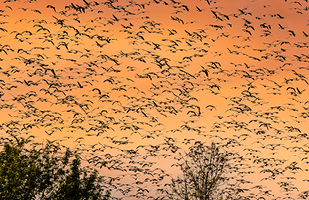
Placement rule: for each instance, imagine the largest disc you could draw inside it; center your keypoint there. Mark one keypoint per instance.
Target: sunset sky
(108, 78)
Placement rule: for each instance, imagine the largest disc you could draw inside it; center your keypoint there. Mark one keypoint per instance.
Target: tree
(46, 174)
(202, 172)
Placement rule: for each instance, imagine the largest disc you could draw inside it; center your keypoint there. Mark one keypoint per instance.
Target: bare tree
(202, 172)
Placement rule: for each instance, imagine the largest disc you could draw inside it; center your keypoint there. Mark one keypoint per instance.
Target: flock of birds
(131, 84)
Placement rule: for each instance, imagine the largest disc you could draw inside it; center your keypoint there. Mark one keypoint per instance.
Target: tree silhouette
(202, 173)
(46, 174)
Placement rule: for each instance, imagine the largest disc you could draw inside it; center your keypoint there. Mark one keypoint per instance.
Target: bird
(140, 83)
(52, 7)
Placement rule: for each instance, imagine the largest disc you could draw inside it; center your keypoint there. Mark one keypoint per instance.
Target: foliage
(45, 174)
(202, 172)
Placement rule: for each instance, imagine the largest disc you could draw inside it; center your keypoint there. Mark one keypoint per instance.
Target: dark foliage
(46, 174)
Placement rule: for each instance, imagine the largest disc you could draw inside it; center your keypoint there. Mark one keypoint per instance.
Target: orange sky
(128, 75)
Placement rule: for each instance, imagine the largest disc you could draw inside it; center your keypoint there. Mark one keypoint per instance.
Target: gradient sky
(130, 75)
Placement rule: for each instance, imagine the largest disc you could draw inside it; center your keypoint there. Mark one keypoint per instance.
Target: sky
(135, 83)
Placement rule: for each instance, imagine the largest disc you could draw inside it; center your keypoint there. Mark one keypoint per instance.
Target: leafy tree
(202, 172)
(46, 174)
